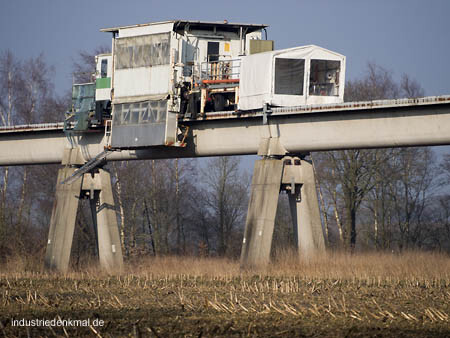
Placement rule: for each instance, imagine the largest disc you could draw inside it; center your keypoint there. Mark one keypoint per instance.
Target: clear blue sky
(410, 37)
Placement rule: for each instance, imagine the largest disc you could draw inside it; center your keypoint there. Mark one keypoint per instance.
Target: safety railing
(227, 69)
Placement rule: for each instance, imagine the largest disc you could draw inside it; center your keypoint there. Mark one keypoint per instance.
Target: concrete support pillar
(97, 187)
(270, 176)
(93, 203)
(62, 222)
(109, 247)
(262, 209)
(305, 212)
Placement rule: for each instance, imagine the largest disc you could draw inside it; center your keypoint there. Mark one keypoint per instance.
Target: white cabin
(291, 77)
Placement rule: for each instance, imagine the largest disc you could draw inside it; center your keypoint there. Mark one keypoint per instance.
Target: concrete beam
(345, 128)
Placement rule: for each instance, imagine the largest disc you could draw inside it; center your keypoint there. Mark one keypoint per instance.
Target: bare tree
(26, 96)
(440, 228)
(225, 196)
(283, 234)
(349, 176)
(440, 213)
(410, 190)
(9, 74)
(410, 88)
(9, 71)
(355, 178)
(84, 65)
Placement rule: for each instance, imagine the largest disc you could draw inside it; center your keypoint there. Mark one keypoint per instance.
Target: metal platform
(377, 106)
(26, 128)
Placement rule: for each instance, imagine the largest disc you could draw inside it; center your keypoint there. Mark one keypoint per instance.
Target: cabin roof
(180, 26)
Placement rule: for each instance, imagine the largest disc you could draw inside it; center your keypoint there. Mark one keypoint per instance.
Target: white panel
(316, 99)
(141, 81)
(235, 47)
(103, 94)
(145, 30)
(255, 82)
(203, 50)
(287, 100)
(159, 79)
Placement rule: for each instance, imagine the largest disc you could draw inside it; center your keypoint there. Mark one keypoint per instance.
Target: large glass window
(289, 76)
(83, 97)
(140, 113)
(324, 78)
(142, 51)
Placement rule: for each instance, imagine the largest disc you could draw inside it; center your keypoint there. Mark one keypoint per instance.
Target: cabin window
(213, 51)
(140, 113)
(142, 51)
(104, 68)
(289, 76)
(324, 78)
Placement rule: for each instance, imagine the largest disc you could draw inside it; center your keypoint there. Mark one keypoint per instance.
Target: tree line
(387, 199)
(383, 199)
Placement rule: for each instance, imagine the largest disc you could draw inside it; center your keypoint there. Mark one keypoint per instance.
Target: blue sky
(403, 36)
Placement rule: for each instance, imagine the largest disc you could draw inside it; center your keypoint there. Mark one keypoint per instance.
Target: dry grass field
(336, 295)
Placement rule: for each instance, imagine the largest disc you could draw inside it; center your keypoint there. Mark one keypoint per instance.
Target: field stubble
(332, 295)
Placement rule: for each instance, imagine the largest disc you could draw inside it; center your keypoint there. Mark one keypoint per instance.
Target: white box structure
(291, 77)
(158, 69)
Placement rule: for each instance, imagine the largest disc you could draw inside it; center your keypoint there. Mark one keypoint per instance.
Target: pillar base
(97, 186)
(270, 176)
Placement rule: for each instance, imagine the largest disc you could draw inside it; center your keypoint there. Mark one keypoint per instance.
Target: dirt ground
(335, 295)
(247, 305)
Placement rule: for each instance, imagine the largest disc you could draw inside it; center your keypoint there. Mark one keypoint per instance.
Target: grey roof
(181, 25)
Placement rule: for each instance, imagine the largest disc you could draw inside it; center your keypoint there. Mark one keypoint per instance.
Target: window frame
(275, 82)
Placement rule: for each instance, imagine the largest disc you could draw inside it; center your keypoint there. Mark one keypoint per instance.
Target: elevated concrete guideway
(373, 124)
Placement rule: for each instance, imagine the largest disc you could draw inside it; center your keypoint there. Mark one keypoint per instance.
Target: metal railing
(227, 69)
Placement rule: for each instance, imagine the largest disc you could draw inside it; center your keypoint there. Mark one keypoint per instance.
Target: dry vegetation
(335, 295)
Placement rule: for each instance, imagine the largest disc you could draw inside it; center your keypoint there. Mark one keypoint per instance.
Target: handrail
(220, 70)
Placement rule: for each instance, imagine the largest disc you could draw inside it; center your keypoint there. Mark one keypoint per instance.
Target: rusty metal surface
(333, 108)
(32, 127)
(365, 105)
(220, 81)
